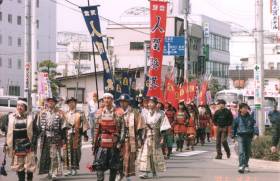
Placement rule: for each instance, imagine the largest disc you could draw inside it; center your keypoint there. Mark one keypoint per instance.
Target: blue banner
(118, 89)
(125, 82)
(93, 24)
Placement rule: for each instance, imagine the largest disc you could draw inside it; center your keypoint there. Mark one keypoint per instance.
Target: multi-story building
(216, 37)
(12, 32)
(241, 71)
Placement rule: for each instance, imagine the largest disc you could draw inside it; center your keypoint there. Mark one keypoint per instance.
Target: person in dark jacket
(243, 130)
(274, 117)
(222, 119)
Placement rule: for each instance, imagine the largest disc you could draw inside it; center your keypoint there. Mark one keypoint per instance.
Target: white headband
(108, 95)
(22, 102)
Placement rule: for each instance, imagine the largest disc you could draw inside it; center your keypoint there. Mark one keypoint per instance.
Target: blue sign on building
(174, 46)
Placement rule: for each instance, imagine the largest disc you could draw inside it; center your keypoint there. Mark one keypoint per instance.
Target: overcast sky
(238, 11)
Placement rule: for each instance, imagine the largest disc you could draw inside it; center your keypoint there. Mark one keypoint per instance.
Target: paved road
(197, 165)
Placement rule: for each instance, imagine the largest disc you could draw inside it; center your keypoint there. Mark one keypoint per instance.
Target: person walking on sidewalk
(274, 117)
(222, 119)
(243, 130)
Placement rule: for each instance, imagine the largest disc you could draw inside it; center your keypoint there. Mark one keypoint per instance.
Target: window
(37, 3)
(10, 41)
(19, 64)
(10, 18)
(83, 56)
(1, 16)
(271, 66)
(10, 63)
(136, 46)
(19, 20)
(278, 66)
(19, 42)
(37, 24)
(14, 90)
(80, 95)
(0, 61)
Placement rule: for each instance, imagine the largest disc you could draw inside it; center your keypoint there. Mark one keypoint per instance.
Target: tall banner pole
(158, 10)
(91, 17)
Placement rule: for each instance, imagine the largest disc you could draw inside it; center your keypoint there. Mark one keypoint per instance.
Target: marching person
(203, 121)
(21, 139)
(170, 112)
(92, 108)
(109, 136)
(150, 157)
(133, 135)
(180, 125)
(76, 126)
(191, 126)
(243, 129)
(274, 117)
(222, 119)
(50, 122)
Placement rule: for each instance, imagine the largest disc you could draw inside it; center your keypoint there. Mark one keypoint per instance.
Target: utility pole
(186, 12)
(34, 84)
(27, 54)
(259, 68)
(78, 71)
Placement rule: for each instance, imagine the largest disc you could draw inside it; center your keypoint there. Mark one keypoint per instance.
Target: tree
(50, 67)
(214, 87)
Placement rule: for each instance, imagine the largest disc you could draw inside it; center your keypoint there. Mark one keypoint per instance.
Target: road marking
(191, 153)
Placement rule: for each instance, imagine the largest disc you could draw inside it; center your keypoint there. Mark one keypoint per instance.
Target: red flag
(158, 11)
(171, 95)
(202, 93)
(191, 91)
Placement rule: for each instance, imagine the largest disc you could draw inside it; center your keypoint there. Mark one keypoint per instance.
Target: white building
(12, 31)
(243, 49)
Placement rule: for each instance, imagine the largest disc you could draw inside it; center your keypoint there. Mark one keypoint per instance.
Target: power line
(101, 17)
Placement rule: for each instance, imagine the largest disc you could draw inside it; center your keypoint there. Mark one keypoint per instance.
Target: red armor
(180, 124)
(108, 131)
(203, 121)
(191, 130)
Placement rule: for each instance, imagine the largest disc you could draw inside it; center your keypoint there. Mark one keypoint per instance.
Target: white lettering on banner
(275, 14)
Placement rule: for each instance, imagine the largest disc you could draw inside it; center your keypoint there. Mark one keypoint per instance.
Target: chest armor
(191, 122)
(21, 141)
(181, 118)
(20, 129)
(108, 126)
(170, 115)
(51, 126)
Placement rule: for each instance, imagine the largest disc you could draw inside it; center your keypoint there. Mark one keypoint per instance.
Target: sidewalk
(253, 163)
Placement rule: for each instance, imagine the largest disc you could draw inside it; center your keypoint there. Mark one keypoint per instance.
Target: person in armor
(109, 136)
(180, 125)
(150, 157)
(76, 126)
(133, 135)
(192, 125)
(170, 112)
(203, 121)
(51, 121)
(21, 135)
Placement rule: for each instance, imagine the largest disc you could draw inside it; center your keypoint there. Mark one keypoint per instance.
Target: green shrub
(261, 149)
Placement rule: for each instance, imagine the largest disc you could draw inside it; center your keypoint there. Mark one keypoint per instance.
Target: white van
(8, 104)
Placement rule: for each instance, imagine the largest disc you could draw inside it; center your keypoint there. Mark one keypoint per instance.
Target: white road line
(191, 153)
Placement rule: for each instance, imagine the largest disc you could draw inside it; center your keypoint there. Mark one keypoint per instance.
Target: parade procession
(153, 96)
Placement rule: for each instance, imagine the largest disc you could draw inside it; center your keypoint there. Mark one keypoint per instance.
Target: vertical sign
(158, 25)
(274, 11)
(257, 93)
(206, 31)
(93, 24)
